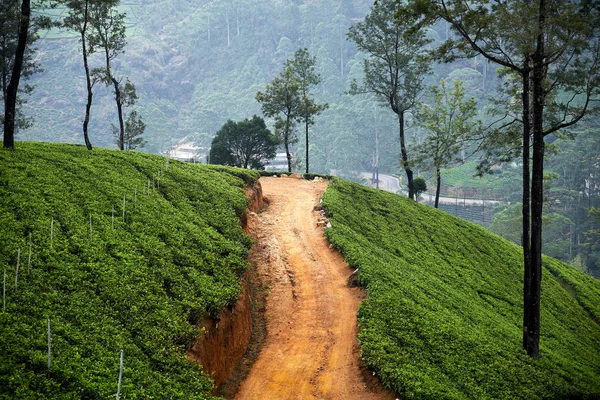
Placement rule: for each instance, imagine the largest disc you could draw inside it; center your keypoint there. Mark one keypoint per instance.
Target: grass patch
(138, 284)
(444, 309)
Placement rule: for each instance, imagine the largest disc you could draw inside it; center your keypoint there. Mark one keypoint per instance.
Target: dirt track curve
(311, 351)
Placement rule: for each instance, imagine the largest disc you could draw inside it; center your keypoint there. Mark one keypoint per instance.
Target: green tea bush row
(443, 318)
(138, 284)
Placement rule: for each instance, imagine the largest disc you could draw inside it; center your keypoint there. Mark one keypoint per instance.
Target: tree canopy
(245, 144)
(449, 122)
(282, 98)
(554, 47)
(394, 67)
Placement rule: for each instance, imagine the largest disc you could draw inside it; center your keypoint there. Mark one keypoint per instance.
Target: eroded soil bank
(310, 350)
(226, 339)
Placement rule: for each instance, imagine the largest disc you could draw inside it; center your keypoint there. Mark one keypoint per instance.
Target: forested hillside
(444, 310)
(198, 63)
(109, 251)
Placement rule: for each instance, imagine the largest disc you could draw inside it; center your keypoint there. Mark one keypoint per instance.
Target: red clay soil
(226, 339)
(311, 350)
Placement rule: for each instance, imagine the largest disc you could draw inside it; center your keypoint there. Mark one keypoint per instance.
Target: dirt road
(311, 351)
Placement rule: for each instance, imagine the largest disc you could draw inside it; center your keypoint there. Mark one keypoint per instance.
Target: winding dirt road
(311, 351)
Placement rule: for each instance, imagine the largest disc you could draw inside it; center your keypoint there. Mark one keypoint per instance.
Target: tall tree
(449, 121)
(554, 47)
(10, 96)
(78, 20)
(245, 144)
(109, 36)
(303, 67)
(10, 17)
(282, 97)
(393, 69)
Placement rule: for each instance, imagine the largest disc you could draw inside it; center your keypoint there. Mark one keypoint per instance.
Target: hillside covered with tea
(113, 251)
(443, 318)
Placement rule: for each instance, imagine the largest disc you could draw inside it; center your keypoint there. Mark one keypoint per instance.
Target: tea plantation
(443, 314)
(117, 252)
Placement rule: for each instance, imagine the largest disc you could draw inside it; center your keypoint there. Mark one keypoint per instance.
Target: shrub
(443, 314)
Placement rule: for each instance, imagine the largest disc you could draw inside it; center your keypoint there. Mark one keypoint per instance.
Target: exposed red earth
(310, 350)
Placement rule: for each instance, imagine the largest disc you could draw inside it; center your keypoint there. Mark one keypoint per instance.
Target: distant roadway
(390, 183)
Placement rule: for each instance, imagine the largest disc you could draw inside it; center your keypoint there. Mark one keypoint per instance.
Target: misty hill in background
(198, 63)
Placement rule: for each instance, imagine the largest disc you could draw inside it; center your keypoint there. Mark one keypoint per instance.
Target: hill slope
(137, 283)
(443, 315)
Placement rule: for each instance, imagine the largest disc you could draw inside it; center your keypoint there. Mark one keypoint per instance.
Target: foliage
(419, 186)
(282, 99)
(139, 286)
(443, 314)
(303, 67)
(449, 122)
(245, 144)
(394, 67)
(134, 129)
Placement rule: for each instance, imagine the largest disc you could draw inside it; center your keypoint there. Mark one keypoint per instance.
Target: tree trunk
(120, 113)
(4, 83)
(10, 100)
(537, 195)
(526, 238)
(121, 141)
(438, 182)
(373, 171)
(376, 159)
(286, 142)
(228, 36)
(409, 172)
(306, 127)
(88, 78)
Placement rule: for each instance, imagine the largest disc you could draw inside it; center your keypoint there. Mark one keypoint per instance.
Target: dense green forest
(198, 64)
(444, 312)
(113, 251)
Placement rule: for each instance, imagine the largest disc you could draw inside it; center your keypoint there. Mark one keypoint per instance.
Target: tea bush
(443, 318)
(138, 284)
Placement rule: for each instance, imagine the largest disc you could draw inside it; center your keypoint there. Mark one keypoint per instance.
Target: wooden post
(29, 257)
(4, 293)
(18, 265)
(120, 376)
(49, 344)
(483, 211)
